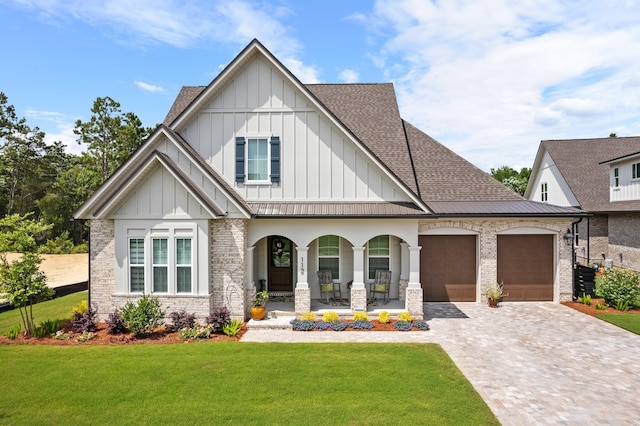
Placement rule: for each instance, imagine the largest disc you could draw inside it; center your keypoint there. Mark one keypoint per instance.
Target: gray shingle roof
(186, 95)
(502, 208)
(578, 162)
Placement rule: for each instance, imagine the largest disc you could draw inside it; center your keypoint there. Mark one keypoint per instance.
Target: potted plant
(494, 294)
(259, 308)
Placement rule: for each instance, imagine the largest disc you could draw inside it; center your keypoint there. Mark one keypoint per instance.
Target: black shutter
(240, 159)
(275, 159)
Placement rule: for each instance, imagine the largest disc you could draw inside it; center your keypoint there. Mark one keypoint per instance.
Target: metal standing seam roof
(333, 209)
(578, 160)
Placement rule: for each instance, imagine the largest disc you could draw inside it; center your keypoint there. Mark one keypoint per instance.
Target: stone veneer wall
(624, 238)
(598, 238)
(228, 262)
(101, 260)
(488, 230)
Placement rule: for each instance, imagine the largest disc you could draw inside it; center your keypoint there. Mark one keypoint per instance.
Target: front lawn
(236, 383)
(629, 322)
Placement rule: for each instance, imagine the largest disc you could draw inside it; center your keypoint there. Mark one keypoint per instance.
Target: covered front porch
(284, 257)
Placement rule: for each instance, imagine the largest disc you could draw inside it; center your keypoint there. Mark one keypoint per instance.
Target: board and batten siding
(558, 191)
(629, 188)
(318, 160)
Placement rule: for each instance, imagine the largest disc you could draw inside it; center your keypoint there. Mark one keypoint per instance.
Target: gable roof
(579, 163)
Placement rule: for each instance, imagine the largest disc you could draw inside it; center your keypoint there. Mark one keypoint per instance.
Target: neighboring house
(601, 177)
(260, 177)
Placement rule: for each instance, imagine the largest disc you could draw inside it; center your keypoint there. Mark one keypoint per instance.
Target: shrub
(310, 316)
(601, 306)
(84, 322)
(181, 319)
(421, 325)
(384, 317)
(405, 316)
(115, 323)
(219, 317)
(622, 306)
(360, 316)
(62, 244)
(87, 335)
(330, 316)
(585, 300)
(13, 332)
(80, 308)
(50, 326)
(402, 325)
(232, 328)
(618, 285)
(143, 317)
(302, 325)
(338, 325)
(323, 325)
(40, 332)
(361, 325)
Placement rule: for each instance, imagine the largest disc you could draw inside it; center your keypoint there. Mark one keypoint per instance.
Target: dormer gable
(624, 177)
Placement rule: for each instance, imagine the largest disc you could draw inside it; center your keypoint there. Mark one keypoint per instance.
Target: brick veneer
(102, 260)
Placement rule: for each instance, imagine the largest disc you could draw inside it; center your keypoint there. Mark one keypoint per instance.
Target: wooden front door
(280, 255)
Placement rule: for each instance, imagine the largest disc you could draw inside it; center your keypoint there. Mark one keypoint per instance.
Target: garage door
(448, 268)
(525, 266)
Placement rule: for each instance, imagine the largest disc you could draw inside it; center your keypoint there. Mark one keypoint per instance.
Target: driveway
(533, 363)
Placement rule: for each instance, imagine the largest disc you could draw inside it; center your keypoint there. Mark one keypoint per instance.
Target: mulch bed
(102, 337)
(591, 309)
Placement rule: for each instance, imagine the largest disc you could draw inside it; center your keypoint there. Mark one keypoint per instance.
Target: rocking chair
(328, 289)
(381, 285)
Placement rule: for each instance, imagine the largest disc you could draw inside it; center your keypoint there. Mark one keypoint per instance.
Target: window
(183, 265)
(378, 254)
(160, 261)
(136, 265)
(635, 171)
(169, 268)
(259, 158)
(616, 178)
(329, 254)
(543, 192)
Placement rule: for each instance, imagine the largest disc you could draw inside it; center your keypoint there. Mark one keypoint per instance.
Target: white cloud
(348, 76)
(492, 79)
(58, 127)
(148, 87)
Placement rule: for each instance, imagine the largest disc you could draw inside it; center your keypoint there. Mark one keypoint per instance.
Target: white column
(251, 282)
(414, 267)
(302, 273)
(404, 261)
(358, 267)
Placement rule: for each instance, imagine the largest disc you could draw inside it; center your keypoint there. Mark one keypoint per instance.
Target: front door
(280, 264)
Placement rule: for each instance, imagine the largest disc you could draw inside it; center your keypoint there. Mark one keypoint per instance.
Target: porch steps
(271, 323)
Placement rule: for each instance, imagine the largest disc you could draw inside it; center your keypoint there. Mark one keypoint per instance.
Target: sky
(488, 79)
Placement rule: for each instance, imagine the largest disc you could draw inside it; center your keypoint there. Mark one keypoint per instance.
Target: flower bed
(358, 325)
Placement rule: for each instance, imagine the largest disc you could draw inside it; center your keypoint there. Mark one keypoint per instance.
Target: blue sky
(488, 79)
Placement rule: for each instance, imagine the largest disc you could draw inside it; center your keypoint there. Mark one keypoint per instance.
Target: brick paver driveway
(543, 363)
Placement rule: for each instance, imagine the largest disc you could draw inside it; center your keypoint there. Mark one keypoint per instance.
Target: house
(258, 178)
(599, 176)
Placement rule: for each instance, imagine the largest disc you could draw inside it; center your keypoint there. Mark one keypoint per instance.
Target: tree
(516, 181)
(111, 136)
(21, 281)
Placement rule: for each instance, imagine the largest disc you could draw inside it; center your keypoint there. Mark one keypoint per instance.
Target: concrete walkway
(533, 363)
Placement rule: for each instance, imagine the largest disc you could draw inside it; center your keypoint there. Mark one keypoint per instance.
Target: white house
(258, 178)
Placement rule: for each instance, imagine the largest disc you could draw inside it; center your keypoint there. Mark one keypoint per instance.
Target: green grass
(626, 321)
(236, 383)
(59, 308)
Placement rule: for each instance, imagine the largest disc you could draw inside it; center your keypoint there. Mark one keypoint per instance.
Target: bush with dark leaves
(115, 323)
(84, 322)
(219, 317)
(181, 319)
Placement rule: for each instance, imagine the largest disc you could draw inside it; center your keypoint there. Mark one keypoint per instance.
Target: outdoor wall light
(568, 238)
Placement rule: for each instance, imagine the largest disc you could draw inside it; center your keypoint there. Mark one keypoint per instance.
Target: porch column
(302, 292)
(404, 271)
(413, 302)
(250, 281)
(358, 290)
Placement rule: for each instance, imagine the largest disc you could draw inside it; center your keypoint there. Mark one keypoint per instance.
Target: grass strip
(629, 322)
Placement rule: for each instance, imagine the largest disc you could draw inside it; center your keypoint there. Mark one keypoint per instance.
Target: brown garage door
(525, 266)
(448, 268)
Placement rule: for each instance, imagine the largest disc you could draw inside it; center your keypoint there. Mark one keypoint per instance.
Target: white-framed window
(329, 254)
(258, 159)
(635, 171)
(544, 194)
(136, 265)
(378, 253)
(169, 268)
(616, 177)
(184, 269)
